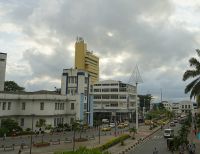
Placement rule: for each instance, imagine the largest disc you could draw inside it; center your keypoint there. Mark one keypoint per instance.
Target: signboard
(198, 135)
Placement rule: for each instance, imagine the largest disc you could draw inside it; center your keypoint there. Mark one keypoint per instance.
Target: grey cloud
(157, 43)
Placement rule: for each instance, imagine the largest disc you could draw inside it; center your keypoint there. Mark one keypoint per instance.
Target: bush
(83, 150)
(113, 142)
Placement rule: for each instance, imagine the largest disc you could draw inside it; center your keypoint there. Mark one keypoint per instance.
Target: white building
(74, 103)
(51, 107)
(182, 107)
(114, 98)
(77, 84)
(3, 57)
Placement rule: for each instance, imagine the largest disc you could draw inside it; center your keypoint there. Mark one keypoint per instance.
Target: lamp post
(32, 116)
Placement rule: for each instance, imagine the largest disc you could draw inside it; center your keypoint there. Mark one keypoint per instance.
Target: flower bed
(81, 139)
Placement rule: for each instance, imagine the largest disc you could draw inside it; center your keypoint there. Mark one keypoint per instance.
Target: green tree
(11, 86)
(8, 126)
(194, 86)
(133, 131)
(145, 101)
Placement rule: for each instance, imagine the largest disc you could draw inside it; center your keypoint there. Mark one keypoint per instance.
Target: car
(121, 125)
(112, 125)
(106, 128)
(126, 124)
(172, 124)
(175, 121)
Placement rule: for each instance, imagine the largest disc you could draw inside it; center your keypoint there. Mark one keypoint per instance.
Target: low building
(114, 99)
(74, 103)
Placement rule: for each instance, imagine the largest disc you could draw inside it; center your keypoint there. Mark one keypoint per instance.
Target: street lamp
(32, 115)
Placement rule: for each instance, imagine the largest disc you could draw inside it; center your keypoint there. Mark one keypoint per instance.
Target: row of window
(58, 120)
(110, 90)
(23, 106)
(112, 84)
(5, 105)
(186, 106)
(59, 106)
(73, 79)
(109, 97)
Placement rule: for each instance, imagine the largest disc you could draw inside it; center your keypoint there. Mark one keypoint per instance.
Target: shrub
(113, 142)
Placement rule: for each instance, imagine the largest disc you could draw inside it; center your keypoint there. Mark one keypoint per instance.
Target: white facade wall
(3, 57)
(33, 108)
(108, 95)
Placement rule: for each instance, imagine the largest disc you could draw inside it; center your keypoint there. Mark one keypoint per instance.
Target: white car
(168, 133)
(112, 125)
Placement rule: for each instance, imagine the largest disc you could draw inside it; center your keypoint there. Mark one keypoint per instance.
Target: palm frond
(194, 62)
(190, 74)
(191, 85)
(195, 90)
(198, 52)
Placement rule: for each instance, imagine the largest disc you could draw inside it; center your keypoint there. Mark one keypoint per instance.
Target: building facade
(77, 84)
(182, 107)
(3, 57)
(114, 99)
(86, 60)
(25, 107)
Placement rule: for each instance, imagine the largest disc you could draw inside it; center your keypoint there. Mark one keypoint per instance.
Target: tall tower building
(3, 57)
(86, 60)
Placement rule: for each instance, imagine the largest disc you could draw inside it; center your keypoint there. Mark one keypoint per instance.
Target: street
(156, 140)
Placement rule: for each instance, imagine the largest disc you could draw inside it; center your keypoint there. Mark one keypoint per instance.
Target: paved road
(157, 140)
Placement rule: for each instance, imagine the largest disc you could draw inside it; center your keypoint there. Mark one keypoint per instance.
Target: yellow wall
(86, 60)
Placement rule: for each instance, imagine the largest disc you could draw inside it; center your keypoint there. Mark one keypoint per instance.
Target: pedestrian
(155, 151)
(181, 149)
(20, 151)
(4, 136)
(193, 148)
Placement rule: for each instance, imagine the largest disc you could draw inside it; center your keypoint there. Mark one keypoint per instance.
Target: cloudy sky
(159, 36)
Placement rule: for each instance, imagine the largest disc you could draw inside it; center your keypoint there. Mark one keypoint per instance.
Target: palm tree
(133, 130)
(194, 86)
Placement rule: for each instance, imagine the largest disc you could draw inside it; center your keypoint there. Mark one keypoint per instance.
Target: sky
(157, 36)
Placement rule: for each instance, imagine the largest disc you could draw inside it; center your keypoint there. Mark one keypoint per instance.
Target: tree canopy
(11, 86)
(194, 73)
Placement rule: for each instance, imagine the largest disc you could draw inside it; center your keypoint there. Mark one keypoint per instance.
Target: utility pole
(135, 79)
(32, 115)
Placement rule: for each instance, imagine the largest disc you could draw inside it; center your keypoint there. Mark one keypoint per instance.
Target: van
(168, 133)
(105, 121)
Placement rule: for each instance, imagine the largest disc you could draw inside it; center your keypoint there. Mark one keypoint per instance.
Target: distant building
(3, 57)
(114, 99)
(86, 60)
(181, 107)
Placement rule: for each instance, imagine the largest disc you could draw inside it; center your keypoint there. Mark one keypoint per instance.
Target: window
(22, 122)
(85, 106)
(56, 106)
(23, 106)
(9, 105)
(122, 96)
(182, 106)
(72, 106)
(114, 96)
(71, 120)
(41, 106)
(105, 90)
(86, 80)
(114, 90)
(189, 106)
(105, 97)
(97, 96)
(4, 106)
(186, 106)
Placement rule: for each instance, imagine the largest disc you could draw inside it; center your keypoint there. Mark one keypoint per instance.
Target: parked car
(175, 121)
(121, 125)
(112, 125)
(106, 128)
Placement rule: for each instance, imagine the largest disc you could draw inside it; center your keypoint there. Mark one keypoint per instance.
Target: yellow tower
(86, 60)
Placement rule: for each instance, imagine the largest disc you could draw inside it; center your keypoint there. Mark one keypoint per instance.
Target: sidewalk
(193, 139)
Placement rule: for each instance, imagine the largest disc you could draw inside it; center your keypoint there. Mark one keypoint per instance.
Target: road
(156, 140)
